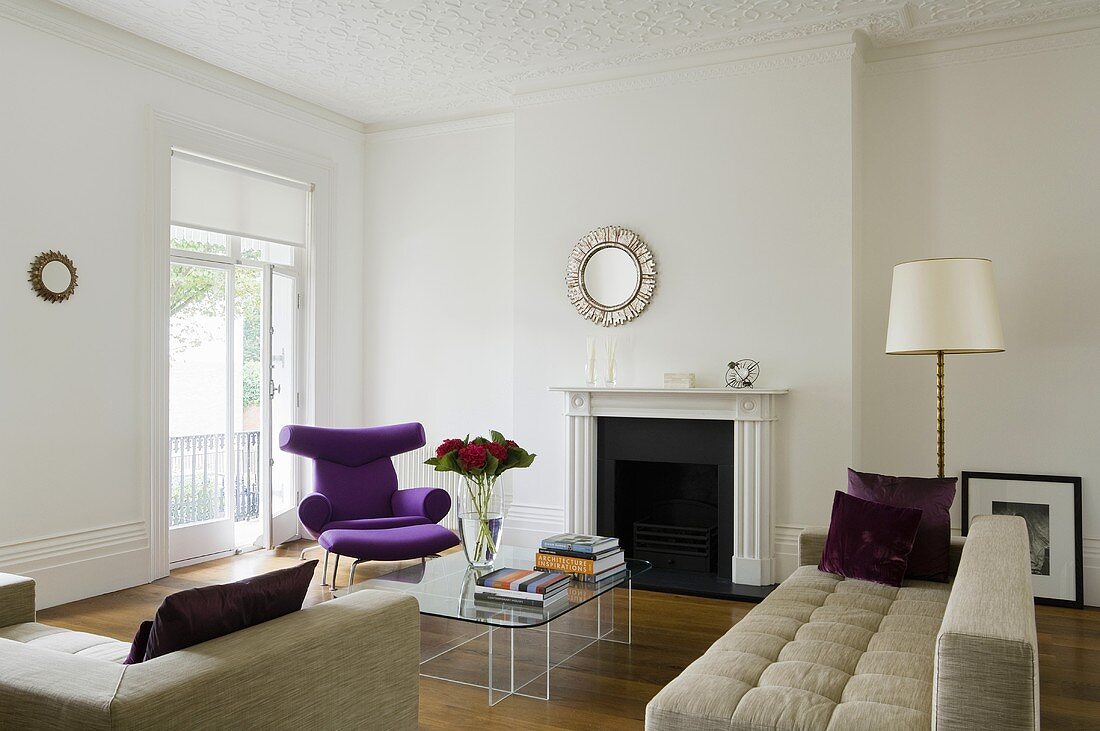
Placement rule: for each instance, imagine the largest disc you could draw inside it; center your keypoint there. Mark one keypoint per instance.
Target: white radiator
(412, 472)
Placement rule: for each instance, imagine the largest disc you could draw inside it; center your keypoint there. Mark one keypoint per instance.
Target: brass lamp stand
(939, 410)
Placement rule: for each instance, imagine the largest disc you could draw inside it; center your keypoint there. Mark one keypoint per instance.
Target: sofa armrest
(987, 659)
(811, 544)
(430, 502)
(46, 689)
(352, 662)
(16, 599)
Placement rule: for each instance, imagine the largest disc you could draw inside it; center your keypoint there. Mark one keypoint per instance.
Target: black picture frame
(1078, 544)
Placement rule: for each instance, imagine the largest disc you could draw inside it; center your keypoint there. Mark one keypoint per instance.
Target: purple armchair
(355, 484)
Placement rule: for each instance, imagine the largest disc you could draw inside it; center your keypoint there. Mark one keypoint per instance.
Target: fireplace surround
(741, 441)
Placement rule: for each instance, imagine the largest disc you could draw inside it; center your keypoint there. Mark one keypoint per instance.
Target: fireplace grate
(687, 548)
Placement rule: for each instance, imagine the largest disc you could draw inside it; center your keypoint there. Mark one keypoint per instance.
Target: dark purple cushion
(141, 641)
(196, 615)
(930, 559)
(869, 540)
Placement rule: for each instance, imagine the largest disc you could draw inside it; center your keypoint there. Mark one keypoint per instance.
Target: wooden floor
(608, 685)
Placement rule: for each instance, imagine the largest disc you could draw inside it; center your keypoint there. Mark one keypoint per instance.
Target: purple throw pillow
(869, 540)
(930, 559)
(193, 616)
(141, 641)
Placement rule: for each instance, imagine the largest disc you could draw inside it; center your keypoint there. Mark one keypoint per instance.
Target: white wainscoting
(785, 547)
(72, 566)
(1091, 562)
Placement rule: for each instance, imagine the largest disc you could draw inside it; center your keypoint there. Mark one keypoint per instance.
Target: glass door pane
(197, 418)
(248, 384)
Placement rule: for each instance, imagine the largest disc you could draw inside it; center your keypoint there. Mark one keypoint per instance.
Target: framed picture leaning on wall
(1051, 507)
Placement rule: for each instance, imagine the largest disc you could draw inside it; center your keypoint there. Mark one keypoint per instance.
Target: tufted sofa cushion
(820, 653)
(46, 637)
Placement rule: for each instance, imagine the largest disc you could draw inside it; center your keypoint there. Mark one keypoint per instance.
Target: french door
(233, 384)
(282, 312)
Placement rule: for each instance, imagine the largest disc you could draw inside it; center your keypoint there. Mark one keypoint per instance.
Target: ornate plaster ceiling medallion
(611, 276)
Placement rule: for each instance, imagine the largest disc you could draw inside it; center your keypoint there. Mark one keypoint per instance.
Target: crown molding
(96, 35)
(907, 34)
(742, 67)
(432, 129)
(991, 50)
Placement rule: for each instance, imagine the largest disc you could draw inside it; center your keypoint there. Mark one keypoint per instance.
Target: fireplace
(682, 477)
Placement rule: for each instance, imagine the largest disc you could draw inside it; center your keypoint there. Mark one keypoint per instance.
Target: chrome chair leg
(308, 549)
(351, 577)
(335, 568)
(324, 571)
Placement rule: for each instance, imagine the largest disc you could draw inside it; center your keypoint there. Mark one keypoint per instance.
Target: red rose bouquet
(481, 462)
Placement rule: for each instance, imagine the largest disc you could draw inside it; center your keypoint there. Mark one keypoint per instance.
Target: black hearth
(664, 487)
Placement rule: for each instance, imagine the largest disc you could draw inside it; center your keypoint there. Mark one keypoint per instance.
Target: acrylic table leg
(629, 611)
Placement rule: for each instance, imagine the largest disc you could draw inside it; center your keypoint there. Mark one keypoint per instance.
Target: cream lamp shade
(944, 306)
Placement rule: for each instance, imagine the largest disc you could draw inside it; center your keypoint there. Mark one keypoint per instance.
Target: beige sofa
(348, 663)
(822, 652)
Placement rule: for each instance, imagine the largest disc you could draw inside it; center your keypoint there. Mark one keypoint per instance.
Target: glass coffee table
(506, 648)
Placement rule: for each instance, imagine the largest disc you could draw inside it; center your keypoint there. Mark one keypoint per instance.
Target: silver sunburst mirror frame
(611, 276)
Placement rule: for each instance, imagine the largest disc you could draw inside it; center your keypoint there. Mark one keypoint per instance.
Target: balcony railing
(199, 468)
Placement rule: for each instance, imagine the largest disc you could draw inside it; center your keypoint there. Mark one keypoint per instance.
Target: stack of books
(588, 558)
(522, 586)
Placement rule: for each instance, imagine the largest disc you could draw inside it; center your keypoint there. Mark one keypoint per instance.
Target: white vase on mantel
(610, 376)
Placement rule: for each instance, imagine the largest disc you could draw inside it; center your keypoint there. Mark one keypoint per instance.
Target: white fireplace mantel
(752, 412)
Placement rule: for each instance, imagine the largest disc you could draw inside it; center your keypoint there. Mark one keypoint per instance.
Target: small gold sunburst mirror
(52, 276)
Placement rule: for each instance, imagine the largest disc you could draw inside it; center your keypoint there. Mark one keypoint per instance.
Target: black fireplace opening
(668, 514)
(664, 488)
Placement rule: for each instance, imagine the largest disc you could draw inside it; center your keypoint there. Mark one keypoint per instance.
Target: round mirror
(53, 276)
(56, 277)
(611, 277)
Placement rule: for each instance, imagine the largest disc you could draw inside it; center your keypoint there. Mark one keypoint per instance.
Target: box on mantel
(679, 380)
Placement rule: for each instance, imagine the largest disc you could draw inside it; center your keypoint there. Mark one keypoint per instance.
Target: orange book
(565, 564)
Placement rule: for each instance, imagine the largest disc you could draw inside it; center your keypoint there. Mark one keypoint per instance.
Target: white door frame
(168, 131)
(282, 526)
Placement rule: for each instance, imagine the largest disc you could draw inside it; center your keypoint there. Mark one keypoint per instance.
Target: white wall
(74, 178)
(742, 187)
(438, 273)
(996, 159)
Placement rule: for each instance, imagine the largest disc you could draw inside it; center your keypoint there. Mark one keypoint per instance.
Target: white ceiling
(398, 61)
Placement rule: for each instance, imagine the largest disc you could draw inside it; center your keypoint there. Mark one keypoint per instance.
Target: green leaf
(498, 437)
(491, 465)
(449, 463)
(433, 461)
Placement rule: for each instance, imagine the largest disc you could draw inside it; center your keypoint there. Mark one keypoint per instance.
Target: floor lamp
(941, 306)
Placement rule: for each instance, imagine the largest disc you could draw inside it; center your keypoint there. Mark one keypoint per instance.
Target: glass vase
(480, 521)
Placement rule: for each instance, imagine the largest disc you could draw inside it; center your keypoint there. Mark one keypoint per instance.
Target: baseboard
(784, 550)
(86, 563)
(1091, 564)
(527, 524)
